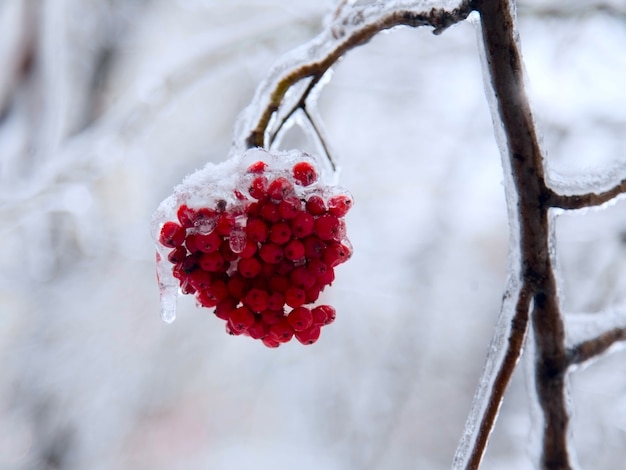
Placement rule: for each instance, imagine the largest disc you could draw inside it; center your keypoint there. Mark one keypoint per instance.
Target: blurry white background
(105, 105)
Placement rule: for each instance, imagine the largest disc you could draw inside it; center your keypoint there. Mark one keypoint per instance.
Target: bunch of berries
(261, 256)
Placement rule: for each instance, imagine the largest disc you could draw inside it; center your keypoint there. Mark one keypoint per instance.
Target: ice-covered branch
(590, 199)
(591, 335)
(348, 28)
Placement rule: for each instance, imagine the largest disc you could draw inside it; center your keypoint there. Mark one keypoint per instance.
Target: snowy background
(105, 105)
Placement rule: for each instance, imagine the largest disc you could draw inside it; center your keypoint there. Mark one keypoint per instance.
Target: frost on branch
(256, 238)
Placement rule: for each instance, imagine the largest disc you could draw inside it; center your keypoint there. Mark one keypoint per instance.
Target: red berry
(231, 330)
(253, 210)
(295, 297)
(225, 225)
(280, 233)
(249, 267)
(256, 230)
(302, 278)
(324, 313)
(191, 244)
(339, 205)
(223, 308)
(237, 285)
(218, 290)
(213, 262)
(271, 253)
(206, 300)
(172, 235)
(270, 342)
(313, 247)
(284, 267)
(256, 300)
(177, 255)
(276, 301)
(208, 243)
(185, 216)
(269, 211)
(294, 250)
(308, 336)
(257, 167)
(271, 317)
(258, 187)
(304, 173)
(327, 227)
(312, 294)
(315, 205)
(280, 188)
(302, 225)
(199, 279)
(279, 283)
(249, 249)
(317, 267)
(289, 208)
(281, 331)
(241, 319)
(227, 252)
(327, 278)
(258, 330)
(336, 253)
(300, 318)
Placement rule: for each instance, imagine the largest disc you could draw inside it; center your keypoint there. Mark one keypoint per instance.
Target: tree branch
(349, 28)
(579, 201)
(595, 347)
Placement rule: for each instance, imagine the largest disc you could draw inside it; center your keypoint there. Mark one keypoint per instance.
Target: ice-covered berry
(262, 249)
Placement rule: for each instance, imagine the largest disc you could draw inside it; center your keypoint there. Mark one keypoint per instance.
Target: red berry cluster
(264, 256)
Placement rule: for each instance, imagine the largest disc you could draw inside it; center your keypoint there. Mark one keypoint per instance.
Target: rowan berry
(270, 342)
(225, 224)
(336, 253)
(339, 205)
(276, 301)
(294, 250)
(231, 330)
(253, 210)
(237, 285)
(185, 216)
(206, 300)
(280, 233)
(208, 243)
(315, 205)
(256, 300)
(280, 188)
(258, 187)
(172, 235)
(300, 318)
(258, 330)
(269, 211)
(289, 208)
(271, 253)
(317, 267)
(249, 267)
(199, 279)
(271, 317)
(295, 297)
(257, 167)
(177, 255)
(324, 313)
(284, 267)
(302, 278)
(281, 331)
(308, 336)
(313, 247)
(279, 283)
(223, 308)
(218, 289)
(191, 244)
(304, 173)
(312, 294)
(249, 250)
(302, 225)
(227, 252)
(327, 278)
(241, 319)
(213, 262)
(327, 227)
(256, 230)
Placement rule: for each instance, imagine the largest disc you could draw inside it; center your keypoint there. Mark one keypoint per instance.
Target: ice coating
(223, 190)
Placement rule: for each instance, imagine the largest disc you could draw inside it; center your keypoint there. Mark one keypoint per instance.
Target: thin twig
(578, 201)
(595, 347)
